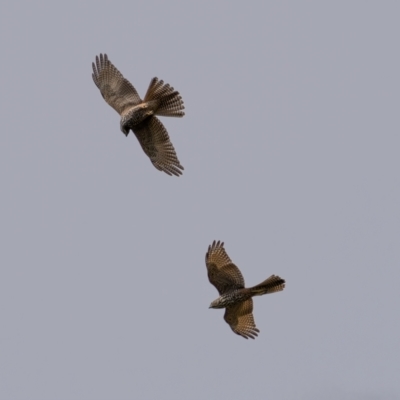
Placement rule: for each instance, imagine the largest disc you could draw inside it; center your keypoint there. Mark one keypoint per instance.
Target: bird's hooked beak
(125, 131)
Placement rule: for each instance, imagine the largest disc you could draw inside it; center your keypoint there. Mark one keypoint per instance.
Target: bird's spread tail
(273, 284)
(169, 101)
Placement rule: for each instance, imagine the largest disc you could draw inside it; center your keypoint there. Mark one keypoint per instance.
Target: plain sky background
(290, 145)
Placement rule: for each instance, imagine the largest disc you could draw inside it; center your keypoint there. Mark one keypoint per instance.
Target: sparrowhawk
(140, 115)
(234, 297)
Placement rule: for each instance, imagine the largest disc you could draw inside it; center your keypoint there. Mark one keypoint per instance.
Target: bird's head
(124, 128)
(218, 303)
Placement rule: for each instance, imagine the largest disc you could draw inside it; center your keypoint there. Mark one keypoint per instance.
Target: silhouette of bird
(140, 115)
(234, 297)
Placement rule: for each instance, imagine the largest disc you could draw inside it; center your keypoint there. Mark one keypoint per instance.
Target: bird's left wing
(117, 91)
(154, 139)
(240, 318)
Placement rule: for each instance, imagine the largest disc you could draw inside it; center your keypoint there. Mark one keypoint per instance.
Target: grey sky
(290, 145)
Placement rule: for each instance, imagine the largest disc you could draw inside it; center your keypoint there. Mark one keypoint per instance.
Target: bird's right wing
(240, 318)
(117, 91)
(154, 139)
(222, 273)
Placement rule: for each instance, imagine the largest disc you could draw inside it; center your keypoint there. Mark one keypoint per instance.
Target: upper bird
(234, 297)
(140, 115)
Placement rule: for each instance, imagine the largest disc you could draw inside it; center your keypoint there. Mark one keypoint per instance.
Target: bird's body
(234, 297)
(140, 115)
(134, 116)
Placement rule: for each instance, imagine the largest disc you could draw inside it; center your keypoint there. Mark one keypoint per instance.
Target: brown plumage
(140, 115)
(234, 297)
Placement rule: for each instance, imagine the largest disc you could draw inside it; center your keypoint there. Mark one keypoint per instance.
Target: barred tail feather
(170, 103)
(271, 285)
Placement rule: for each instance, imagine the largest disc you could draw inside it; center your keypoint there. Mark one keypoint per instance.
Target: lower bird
(140, 115)
(234, 297)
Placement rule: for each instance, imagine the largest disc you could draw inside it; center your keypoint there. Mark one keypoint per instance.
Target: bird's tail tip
(170, 101)
(271, 285)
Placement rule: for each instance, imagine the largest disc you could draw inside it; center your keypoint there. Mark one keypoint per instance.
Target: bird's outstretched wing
(222, 273)
(117, 91)
(240, 318)
(154, 139)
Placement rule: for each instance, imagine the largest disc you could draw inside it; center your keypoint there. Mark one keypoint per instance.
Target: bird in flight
(140, 115)
(234, 297)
